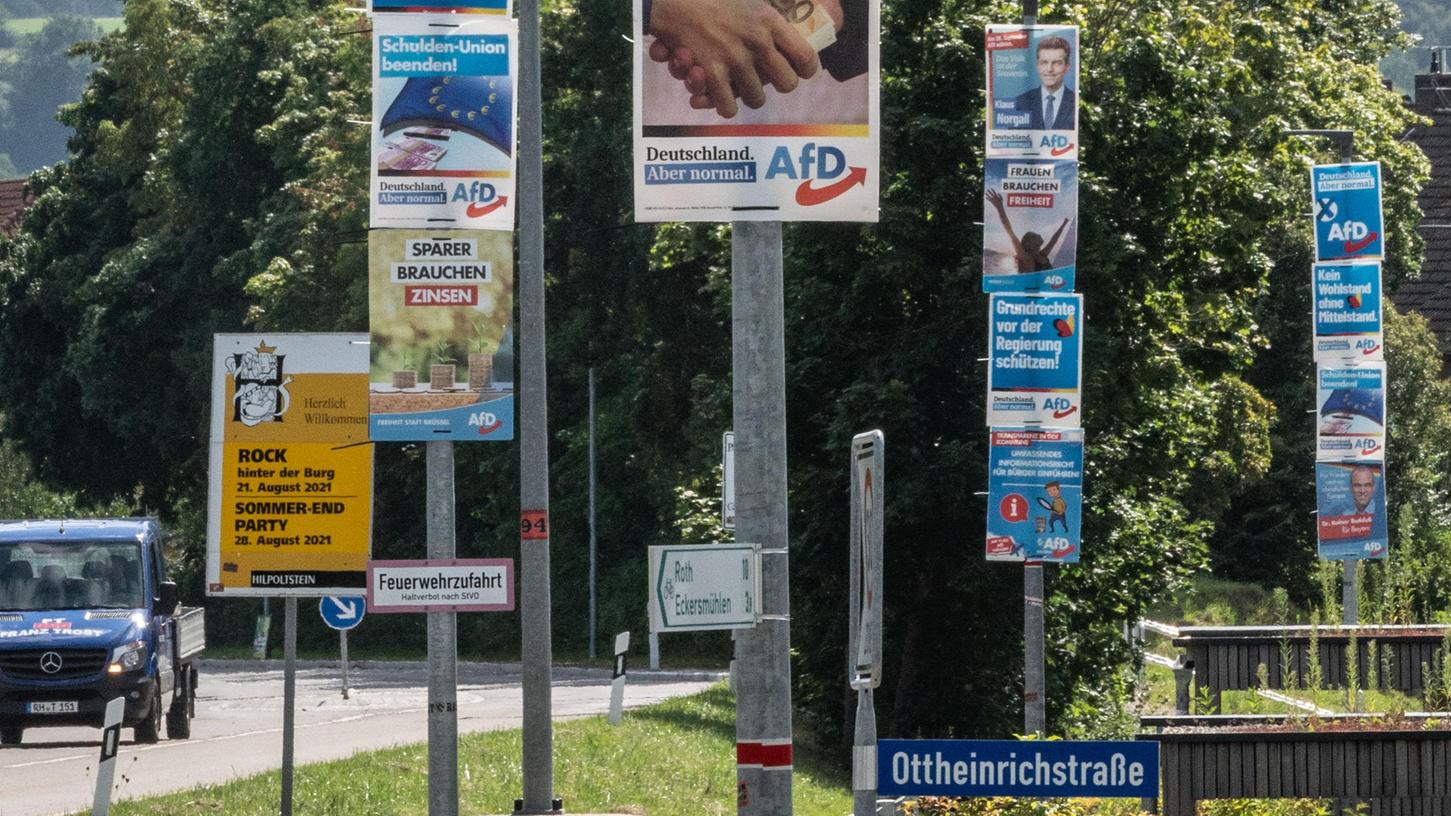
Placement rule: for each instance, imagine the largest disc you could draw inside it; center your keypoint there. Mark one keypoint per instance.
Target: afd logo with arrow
(483, 198)
(812, 165)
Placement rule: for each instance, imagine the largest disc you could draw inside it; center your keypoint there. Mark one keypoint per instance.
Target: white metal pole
(534, 601)
(442, 641)
(343, 648)
(1034, 706)
(289, 698)
(763, 654)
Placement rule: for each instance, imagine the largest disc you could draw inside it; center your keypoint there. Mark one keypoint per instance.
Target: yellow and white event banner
(443, 121)
(289, 510)
(791, 133)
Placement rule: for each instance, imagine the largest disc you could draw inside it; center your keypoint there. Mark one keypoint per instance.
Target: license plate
(56, 707)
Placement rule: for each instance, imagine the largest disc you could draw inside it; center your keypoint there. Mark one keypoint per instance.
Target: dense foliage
(218, 184)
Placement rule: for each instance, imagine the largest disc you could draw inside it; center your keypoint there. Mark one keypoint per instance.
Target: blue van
(87, 615)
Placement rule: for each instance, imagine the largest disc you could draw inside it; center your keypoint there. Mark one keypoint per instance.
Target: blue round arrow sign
(341, 613)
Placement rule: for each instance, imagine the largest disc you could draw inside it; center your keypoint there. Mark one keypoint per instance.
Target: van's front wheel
(11, 736)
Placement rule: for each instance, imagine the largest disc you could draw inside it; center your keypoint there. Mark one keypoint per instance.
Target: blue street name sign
(342, 613)
(1014, 768)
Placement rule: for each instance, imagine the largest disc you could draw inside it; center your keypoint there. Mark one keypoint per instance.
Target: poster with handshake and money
(740, 115)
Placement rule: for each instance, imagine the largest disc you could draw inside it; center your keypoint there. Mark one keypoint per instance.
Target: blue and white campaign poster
(1351, 423)
(443, 121)
(1032, 91)
(1035, 495)
(1030, 225)
(715, 141)
(441, 6)
(1347, 312)
(1035, 360)
(1350, 504)
(1347, 206)
(1035, 768)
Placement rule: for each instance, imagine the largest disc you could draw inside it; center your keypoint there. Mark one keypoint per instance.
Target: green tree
(185, 184)
(217, 183)
(1413, 585)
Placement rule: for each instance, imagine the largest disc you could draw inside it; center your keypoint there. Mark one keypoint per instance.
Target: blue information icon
(342, 613)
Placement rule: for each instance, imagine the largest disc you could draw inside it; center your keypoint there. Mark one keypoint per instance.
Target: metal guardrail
(1303, 705)
(1159, 628)
(1161, 660)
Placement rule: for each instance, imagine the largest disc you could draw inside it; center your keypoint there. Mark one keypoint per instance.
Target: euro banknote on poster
(1352, 406)
(811, 153)
(443, 121)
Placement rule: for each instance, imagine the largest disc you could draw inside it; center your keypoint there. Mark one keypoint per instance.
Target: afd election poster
(1035, 495)
(1030, 225)
(440, 313)
(441, 6)
(289, 509)
(1035, 353)
(740, 116)
(1032, 91)
(443, 121)
(1350, 502)
(1347, 312)
(1347, 206)
(1352, 405)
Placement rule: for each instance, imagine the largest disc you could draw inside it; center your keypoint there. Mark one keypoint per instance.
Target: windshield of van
(72, 574)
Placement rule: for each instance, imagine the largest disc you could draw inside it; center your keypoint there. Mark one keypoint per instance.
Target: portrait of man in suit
(1051, 105)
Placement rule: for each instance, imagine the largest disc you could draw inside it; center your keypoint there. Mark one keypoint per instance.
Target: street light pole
(1349, 596)
(534, 600)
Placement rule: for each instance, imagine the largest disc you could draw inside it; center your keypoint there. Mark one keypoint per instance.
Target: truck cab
(87, 615)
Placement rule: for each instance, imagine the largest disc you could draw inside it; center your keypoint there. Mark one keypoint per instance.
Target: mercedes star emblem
(50, 662)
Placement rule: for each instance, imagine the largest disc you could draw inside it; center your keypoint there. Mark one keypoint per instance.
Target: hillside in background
(1428, 20)
(37, 75)
(51, 8)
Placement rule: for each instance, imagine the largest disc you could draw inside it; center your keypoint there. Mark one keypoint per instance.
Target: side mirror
(167, 598)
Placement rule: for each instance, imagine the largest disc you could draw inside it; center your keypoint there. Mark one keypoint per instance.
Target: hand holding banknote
(723, 49)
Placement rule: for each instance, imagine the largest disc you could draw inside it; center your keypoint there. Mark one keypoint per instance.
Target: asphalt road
(238, 727)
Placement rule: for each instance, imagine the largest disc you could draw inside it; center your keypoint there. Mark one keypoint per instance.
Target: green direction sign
(710, 586)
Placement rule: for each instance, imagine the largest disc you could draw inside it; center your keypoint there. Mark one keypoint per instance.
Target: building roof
(13, 201)
(1430, 294)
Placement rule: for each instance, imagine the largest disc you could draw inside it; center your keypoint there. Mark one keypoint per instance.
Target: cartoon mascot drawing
(261, 388)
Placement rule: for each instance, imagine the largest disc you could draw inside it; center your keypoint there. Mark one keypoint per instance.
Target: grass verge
(675, 758)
